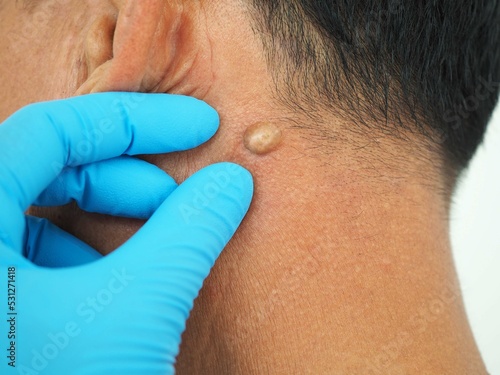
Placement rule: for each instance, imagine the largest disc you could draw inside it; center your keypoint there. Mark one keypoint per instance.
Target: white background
(475, 231)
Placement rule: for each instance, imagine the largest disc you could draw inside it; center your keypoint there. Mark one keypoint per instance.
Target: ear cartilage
(262, 137)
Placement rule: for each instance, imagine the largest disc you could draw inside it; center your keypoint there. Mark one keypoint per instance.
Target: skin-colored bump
(262, 137)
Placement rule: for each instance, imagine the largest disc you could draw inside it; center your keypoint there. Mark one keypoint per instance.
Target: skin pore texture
(343, 264)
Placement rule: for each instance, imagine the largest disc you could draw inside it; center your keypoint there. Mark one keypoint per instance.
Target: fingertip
(124, 186)
(243, 181)
(207, 209)
(221, 186)
(176, 123)
(209, 119)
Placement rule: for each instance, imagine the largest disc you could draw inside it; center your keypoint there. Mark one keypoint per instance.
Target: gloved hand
(64, 309)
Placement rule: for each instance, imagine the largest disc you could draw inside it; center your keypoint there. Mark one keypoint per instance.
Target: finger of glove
(175, 250)
(38, 141)
(50, 246)
(124, 186)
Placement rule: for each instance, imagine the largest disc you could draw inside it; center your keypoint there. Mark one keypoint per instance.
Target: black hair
(427, 66)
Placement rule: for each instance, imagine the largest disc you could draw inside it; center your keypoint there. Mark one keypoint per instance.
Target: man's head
(390, 68)
(370, 90)
(377, 103)
(430, 67)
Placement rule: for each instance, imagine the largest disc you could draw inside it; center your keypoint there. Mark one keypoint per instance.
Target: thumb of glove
(170, 257)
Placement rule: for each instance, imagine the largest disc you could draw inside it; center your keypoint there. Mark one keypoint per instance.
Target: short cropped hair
(427, 66)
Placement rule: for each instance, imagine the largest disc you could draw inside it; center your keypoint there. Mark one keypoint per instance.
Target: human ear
(152, 46)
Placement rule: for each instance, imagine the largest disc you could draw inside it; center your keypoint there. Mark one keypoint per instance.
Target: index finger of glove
(38, 141)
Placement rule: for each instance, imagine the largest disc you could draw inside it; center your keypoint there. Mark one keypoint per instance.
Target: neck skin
(343, 264)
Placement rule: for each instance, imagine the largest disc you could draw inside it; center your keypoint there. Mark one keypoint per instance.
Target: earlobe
(147, 49)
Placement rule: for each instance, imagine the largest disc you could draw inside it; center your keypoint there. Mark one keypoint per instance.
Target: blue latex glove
(124, 313)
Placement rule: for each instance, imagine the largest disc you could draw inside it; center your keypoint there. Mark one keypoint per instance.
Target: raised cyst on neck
(262, 138)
